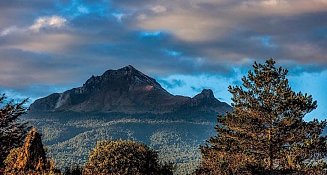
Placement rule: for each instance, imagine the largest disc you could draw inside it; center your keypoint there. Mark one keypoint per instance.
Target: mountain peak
(205, 94)
(125, 79)
(129, 68)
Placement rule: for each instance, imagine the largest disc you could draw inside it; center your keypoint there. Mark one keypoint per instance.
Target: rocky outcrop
(30, 158)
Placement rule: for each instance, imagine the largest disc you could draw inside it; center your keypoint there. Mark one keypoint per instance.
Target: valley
(69, 141)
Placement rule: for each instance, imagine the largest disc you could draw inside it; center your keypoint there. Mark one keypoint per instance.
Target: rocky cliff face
(126, 90)
(32, 155)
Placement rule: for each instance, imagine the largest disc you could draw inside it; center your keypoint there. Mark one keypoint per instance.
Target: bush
(124, 157)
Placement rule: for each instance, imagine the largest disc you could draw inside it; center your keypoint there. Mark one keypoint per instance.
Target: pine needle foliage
(12, 131)
(265, 133)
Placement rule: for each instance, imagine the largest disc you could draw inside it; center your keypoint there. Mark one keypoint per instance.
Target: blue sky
(188, 45)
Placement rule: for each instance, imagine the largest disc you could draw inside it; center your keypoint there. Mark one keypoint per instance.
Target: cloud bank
(61, 43)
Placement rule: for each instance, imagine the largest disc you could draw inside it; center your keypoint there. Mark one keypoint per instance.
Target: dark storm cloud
(22, 68)
(249, 29)
(57, 42)
(18, 12)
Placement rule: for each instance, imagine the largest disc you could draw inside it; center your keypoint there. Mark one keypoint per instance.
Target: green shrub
(124, 157)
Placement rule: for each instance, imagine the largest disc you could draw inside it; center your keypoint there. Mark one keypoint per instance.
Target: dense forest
(265, 133)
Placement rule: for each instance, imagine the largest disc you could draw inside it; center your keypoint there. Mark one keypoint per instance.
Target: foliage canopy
(124, 157)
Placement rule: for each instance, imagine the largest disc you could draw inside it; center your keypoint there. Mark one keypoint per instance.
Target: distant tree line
(264, 134)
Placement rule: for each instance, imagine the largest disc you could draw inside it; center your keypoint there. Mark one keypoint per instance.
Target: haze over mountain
(127, 91)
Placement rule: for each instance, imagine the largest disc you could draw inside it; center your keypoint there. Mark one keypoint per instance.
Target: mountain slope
(127, 91)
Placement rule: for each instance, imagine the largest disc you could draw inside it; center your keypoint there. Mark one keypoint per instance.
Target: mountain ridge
(127, 90)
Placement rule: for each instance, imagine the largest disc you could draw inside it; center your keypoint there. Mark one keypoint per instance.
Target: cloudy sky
(187, 45)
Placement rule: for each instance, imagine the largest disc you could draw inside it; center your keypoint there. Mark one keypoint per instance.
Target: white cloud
(272, 2)
(118, 16)
(83, 9)
(42, 22)
(48, 22)
(8, 31)
(188, 26)
(51, 42)
(141, 17)
(159, 9)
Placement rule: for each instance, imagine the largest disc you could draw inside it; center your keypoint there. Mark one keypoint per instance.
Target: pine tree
(12, 131)
(265, 133)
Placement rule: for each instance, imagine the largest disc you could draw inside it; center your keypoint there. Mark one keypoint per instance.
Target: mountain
(125, 104)
(127, 91)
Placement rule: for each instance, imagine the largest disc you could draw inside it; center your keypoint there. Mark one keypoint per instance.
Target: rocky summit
(127, 91)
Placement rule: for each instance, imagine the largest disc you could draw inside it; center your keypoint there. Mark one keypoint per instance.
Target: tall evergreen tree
(265, 133)
(12, 131)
